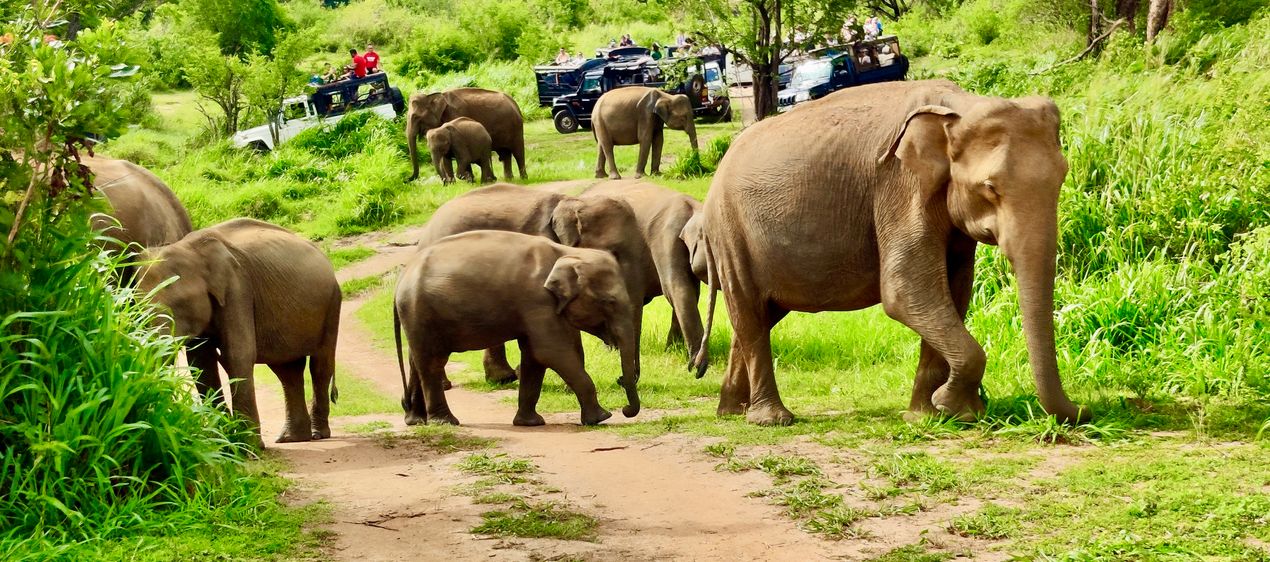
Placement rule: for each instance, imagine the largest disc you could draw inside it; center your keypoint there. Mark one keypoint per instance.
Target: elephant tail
(335, 390)
(700, 362)
(396, 334)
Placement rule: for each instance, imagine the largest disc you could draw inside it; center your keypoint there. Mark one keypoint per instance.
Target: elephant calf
(464, 140)
(542, 295)
(251, 293)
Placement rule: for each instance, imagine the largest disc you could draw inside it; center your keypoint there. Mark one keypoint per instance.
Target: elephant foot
(961, 406)
(769, 414)
(639, 175)
(500, 375)
(729, 408)
(415, 419)
(446, 384)
(445, 418)
(616, 176)
(594, 418)
(293, 436)
(600, 175)
(528, 420)
(321, 431)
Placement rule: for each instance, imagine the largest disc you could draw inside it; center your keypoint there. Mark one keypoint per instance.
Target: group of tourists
(362, 64)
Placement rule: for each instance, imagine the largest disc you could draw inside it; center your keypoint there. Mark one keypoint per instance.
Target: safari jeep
(329, 100)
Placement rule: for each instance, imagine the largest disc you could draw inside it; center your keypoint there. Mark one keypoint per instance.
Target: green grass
(442, 439)
(361, 285)
(341, 257)
(496, 465)
(357, 395)
(537, 520)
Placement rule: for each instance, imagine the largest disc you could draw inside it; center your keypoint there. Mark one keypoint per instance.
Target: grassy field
(1161, 311)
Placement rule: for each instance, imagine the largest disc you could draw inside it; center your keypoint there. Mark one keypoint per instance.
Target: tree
(270, 80)
(244, 26)
(219, 79)
(1158, 17)
(763, 33)
(892, 9)
(1128, 11)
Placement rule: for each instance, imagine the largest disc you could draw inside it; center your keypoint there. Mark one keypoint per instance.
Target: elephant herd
(464, 126)
(875, 194)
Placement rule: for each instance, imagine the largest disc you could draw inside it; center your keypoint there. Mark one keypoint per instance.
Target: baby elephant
(464, 140)
(482, 288)
(247, 293)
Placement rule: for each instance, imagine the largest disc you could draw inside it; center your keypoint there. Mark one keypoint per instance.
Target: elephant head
(206, 277)
(591, 295)
(999, 166)
(426, 112)
(440, 140)
(673, 110)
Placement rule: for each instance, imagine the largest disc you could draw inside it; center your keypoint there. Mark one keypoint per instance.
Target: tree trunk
(1158, 17)
(1095, 23)
(767, 69)
(1128, 11)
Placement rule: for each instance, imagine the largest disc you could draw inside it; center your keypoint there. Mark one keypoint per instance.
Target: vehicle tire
(565, 122)
(259, 146)
(696, 89)
(398, 101)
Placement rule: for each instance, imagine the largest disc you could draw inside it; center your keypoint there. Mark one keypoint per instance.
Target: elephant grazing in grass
(638, 115)
(247, 293)
(480, 289)
(496, 111)
(887, 204)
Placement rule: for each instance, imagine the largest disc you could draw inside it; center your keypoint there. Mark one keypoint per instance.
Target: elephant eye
(991, 187)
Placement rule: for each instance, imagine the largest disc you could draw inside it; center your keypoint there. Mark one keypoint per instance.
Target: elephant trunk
(691, 129)
(412, 139)
(628, 346)
(1032, 251)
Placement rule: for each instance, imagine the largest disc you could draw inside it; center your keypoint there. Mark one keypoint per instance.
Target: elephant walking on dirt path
(902, 181)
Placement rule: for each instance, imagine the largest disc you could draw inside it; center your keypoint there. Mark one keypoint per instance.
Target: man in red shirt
(359, 64)
(372, 59)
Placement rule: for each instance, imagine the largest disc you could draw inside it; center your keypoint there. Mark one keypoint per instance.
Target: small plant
(838, 522)
(806, 497)
(543, 520)
(496, 465)
(779, 467)
(991, 522)
(918, 470)
(721, 450)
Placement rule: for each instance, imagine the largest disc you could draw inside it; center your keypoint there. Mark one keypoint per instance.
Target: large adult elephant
(247, 293)
(496, 111)
(638, 115)
(887, 204)
(664, 215)
(143, 210)
(589, 221)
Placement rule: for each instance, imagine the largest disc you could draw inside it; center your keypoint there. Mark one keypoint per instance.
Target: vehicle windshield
(810, 73)
(293, 111)
(591, 85)
(712, 74)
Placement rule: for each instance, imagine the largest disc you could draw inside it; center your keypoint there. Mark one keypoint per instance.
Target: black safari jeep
(703, 85)
(844, 66)
(563, 79)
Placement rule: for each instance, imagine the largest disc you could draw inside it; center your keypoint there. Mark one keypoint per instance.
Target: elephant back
(147, 211)
(496, 111)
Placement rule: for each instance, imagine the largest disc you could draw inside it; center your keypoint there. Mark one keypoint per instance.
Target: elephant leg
(531, 374)
(432, 371)
(506, 157)
(932, 369)
(497, 369)
(201, 354)
(298, 426)
(600, 171)
(751, 326)
(322, 374)
(449, 171)
(641, 164)
(658, 139)
(932, 313)
(566, 359)
(414, 405)
(734, 394)
(487, 171)
(675, 335)
(465, 170)
(519, 153)
(683, 290)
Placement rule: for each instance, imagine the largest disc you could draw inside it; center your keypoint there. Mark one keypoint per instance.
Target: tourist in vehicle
(681, 40)
(656, 53)
(329, 74)
(358, 68)
(612, 43)
(562, 57)
(372, 59)
(579, 58)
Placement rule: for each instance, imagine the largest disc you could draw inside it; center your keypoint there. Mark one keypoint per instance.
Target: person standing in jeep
(358, 68)
(372, 59)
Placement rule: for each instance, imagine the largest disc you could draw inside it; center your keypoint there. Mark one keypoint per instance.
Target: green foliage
(242, 26)
(690, 163)
(539, 520)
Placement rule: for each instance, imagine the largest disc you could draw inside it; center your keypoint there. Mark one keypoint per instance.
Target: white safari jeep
(336, 99)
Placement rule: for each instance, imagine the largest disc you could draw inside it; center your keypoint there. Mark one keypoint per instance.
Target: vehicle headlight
(802, 96)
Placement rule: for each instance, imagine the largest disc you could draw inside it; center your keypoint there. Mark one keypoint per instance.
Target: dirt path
(657, 499)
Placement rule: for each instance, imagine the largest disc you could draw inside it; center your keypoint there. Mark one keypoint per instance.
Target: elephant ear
(566, 221)
(565, 281)
(655, 103)
(923, 143)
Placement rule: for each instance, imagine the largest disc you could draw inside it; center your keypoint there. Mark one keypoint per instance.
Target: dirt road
(655, 499)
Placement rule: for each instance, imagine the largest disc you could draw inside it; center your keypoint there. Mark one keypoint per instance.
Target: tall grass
(101, 435)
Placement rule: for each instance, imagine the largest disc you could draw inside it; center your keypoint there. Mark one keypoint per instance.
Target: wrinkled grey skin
(248, 293)
(638, 115)
(542, 296)
(143, 210)
(496, 111)
(463, 140)
(666, 220)
(904, 180)
(598, 222)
